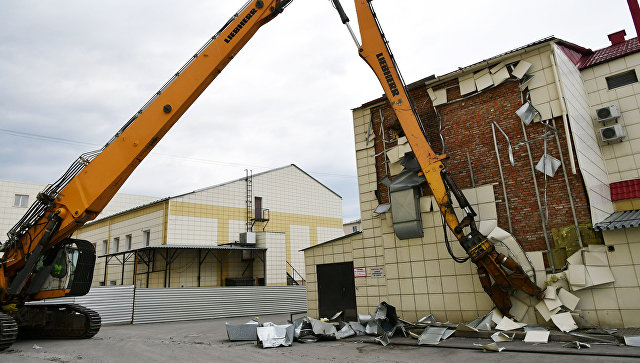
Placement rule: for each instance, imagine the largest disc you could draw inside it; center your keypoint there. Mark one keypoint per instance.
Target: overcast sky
(72, 72)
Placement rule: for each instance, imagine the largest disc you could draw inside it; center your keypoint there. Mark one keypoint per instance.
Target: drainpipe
(563, 107)
(535, 185)
(504, 186)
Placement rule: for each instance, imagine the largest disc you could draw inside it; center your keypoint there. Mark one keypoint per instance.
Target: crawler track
(8, 331)
(58, 321)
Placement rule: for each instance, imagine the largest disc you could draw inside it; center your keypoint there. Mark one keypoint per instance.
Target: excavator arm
(498, 274)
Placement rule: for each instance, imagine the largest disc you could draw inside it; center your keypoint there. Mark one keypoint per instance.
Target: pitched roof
(610, 53)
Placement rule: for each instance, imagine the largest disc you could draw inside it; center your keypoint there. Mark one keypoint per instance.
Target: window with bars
(21, 200)
(622, 79)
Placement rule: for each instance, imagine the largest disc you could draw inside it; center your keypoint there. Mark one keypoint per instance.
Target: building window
(105, 244)
(21, 200)
(113, 282)
(127, 242)
(116, 245)
(354, 229)
(146, 238)
(622, 79)
(101, 283)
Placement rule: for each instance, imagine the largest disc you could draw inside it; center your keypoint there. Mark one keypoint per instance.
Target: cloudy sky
(73, 71)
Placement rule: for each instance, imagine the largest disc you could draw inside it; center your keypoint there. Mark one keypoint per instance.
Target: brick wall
(466, 128)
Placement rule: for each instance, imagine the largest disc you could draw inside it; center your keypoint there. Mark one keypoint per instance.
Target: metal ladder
(249, 180)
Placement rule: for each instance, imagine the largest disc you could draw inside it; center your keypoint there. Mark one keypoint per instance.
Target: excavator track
(69, 321)
(8, 331)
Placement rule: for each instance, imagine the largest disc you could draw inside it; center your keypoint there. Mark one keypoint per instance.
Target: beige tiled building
(569, 86)
(289, 210)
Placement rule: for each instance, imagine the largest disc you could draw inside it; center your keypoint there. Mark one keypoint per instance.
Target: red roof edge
(628, 189)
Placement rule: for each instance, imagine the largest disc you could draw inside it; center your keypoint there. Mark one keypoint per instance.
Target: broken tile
(569, 300)
(541, 277)
(596, 259)
(508, 324)
(576, 258)
(491, 347)
(537, 260)
(537, 336)
(564, 322)
(550, 293)
(499, 337)
(600, 274)
(496, 316)
(577, 275)
(500, 76)
(521, 69)
(552, 303)
(518, 308)
(543, 310)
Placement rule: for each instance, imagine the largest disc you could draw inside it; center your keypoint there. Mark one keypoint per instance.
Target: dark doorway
(337, 290)
(258, 209)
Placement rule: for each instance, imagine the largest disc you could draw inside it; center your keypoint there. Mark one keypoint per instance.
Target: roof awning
(625, 219)
(227, 247)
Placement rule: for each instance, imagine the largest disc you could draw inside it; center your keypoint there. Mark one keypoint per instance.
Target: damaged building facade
(200, 239)
(544, 140)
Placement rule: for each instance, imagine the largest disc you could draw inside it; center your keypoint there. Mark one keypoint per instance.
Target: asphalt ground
(206, 341)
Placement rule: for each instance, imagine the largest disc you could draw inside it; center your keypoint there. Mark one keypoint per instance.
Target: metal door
(337, 290)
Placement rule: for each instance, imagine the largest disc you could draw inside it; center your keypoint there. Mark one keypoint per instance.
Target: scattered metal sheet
(429, 319)
(529, 328)
(336, 316)
(448, 333)
(527, 113)
(466, 327)
(602, 331)
(518, 308)
(491, 347)
(548, 165)
(632, 341)
(322, 329)
(358, 328)
(431, 335)
(499, 337)
(602, 339)
(372, 328)
(537, 336)
(242, 332)
(576, 344)
(382, 208)
(364, 318)
(345, 332)
(271, 335)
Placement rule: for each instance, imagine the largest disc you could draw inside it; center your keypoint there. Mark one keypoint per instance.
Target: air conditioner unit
(606, 114)
(248, 238)
(612, 133)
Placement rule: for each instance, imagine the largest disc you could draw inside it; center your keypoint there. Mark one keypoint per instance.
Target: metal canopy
(169, 254)
(625, 219)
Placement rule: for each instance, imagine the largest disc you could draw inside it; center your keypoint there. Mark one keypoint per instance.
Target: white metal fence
(124, 304)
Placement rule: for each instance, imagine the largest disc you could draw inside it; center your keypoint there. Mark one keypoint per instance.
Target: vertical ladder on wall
(249, 179)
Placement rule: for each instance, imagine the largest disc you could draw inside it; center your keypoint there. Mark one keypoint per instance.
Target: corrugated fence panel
(164, 305)
(113, 303)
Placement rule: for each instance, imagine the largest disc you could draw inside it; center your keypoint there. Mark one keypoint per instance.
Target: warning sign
(377, 272)
(359, 272)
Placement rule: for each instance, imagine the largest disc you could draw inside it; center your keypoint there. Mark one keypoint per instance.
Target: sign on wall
(377, 272)
(359, 272)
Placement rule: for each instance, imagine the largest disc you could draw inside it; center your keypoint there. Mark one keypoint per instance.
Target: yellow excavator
(41, 260)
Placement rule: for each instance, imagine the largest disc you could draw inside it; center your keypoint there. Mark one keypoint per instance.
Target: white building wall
(276, 245)
(9, 215)
(327, 234)
(199, 231)
(299, 239)
(623, 158)
(589, 157)
(235, 228)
